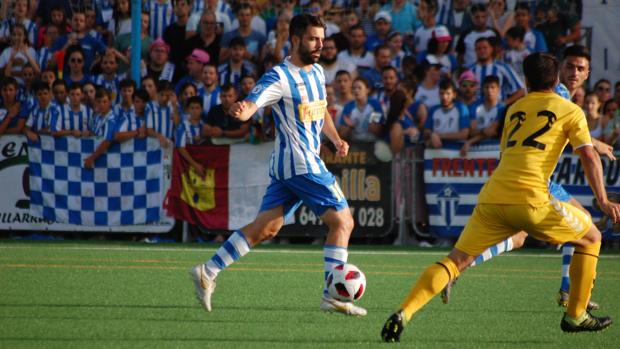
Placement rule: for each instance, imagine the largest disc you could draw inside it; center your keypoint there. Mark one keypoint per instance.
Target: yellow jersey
(536, 130)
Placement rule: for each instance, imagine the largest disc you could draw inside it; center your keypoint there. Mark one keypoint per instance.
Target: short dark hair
(364, 81)
(541, 71)
(447, 84)
(40, 86)
(103, 93)
(164, 85)
(9, 81)
(432, 5)
(479, 7)
(516, 32)
(237, 41)
(522, 5)
(60, 82)
(75, 86)
(342, 72)
(577, 51)
(490, 79)
(142, 94)
(301, 22)
(357, 27)
(194, 100)
(389, 68)
(227, 87)
(127, 83)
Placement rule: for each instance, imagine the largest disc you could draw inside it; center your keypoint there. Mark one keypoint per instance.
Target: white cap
(384, 15)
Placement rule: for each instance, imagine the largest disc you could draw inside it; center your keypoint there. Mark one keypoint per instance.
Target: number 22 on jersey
(518, 118)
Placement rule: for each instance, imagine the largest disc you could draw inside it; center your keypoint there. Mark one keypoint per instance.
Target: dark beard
(328, 61)
(305, 56)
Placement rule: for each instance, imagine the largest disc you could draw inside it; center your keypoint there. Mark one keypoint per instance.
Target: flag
(229, 195)
(124, 188)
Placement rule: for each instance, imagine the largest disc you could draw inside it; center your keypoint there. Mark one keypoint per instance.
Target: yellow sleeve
(578, 132)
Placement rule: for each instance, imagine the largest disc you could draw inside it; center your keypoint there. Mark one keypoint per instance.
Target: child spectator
(102, 125)
(109, 77)
(220, 124)
(125, 108)
(162, 116)
(42, 115)
(237, 66)
(190, 132)
(44, 54)
(534, 39)
(211, 88)
(15, 57)
(517, 51)
(121, 18)
(428, 90)
(195, 64)
(188, 90)
(427, 11)
(591, 108)
(73, 118)
(19, 17)
(88, 92)
(131, 125)
(362, 118)
(60, 91)
(395, 43)
(13, 114)
(485, 114)
(148, 84)
(448, 121)
(25, 93)
(141, 101)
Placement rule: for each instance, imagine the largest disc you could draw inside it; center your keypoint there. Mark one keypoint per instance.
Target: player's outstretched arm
(593, 168)
(243, 110)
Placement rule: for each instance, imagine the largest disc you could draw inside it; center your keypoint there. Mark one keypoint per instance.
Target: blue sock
(567, 255)
(234, 248)
(493, 251)
(333, 256)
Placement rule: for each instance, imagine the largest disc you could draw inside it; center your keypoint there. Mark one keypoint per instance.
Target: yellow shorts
(555, 222)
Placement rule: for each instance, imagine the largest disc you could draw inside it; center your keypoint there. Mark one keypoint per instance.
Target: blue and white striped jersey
(69, 120)
(485, 117)
(41, 118)
(161, 14)
(128, 122)
(110, 85)
(509, 81)
(210, 99)
(442, 120)
(31, 28)
(159, 118)
(299, 106)
(104, 125)
(188, 133)
(562, 91)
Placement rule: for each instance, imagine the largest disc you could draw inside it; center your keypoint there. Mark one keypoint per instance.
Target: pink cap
(441, 34)
(159, 43)
(468, 75)
(199, 56)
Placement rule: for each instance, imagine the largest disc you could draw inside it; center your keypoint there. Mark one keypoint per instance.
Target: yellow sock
(582, 271)
(431, 282)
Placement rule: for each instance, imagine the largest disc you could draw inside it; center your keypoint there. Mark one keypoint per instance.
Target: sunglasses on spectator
(76, 60)
(468, 84)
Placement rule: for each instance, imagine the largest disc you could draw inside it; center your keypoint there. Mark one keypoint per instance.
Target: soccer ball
(346, 283)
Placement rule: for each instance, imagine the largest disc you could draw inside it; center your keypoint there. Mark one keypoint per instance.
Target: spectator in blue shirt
(485, 114)
(404, 16)
(448, 121)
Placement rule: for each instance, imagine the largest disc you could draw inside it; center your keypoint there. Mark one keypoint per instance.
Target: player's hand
(604, 149)
(612, 209)
(236, 109)
(342, 148)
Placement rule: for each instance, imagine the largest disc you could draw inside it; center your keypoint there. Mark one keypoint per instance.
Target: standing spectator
(88, 91)
(517, 51)
(500, 18)
(404, 17)
(466, 46)
(277, 43)
(44, 54)
(122, 43)
(457, 17)
(121, 18)
(195, 64)
(349, 19)
(563, 25)
(428, 89)
(102, 125)
(343, 85)
(439, 50)
(109, 78)
(60, 89)
(159, 68)
(73, 118)
(485, 114)
(362, 118)
(161, 120)
(383, 25)
(253, 40)
(373, 75)
(511, 86)
(416, 110)
(330, 62)
(468, 88)
(148, 84)
(223, 16)
(13, 114)
(257, 22)
(399, 126)
(125, 109)
(42, 115)
(365, 13)
(220, 124)
(427, 12)
(208, 39)
(77, 72)
(211, 88)
(188, 90)
(19, 16)
(603, 89)
(174, 34)
(389, 85)
(47, 8)
(190, 132)
(534, 39)
(236, 66)
(395, 43)
(15, 57)
(162, 15)
(357, 53)
(447, 121)
(129, 125)
(25, 94)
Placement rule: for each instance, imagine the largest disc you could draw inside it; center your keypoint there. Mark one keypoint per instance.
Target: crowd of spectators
(397, 71)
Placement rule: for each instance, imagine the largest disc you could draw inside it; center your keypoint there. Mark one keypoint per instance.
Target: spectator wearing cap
(439, 50)
(403, 14)
(330, 62)
(122, 43)
(534, 40)
(373, 75)
(195, 64)
(159, 68)
(466, 46)
(357, 52)
(162, 15)
(511, 85)
(383, 25)
(253, 39)
(468, 88)
(209, 38)
(233, 69)
(428, 89)
(427, 12)
(175, 33)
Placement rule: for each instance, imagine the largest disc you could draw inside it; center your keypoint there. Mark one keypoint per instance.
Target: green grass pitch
(113, 295)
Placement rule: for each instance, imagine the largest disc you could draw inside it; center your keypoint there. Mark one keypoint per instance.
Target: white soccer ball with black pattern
(346, 283)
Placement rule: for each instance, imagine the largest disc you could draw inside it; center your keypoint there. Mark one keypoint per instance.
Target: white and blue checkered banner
(124, 188)
(453, 182)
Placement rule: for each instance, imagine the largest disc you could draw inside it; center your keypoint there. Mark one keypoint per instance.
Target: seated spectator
(73, 117)
(162, 14)
(427, 12)
(416, 110)
(389, 84)
(448, 121)
(357, 53)
(500, 18)
(438, 49)
(591, 108)
(253, 40)
(159, 68)
(163, 115)
(468, 88)
(42, 115)
(562, 25)
(610, 110)
(333, 108)
(466, 46)
(208, 38)
(109, 77)
(103, 125)
(534, 40)
(122, 43)
(13, 114)
(77, 72)
(383, 26)
(247, 84)
(190, 132)
(362, 118)
(517, 51)
(611, 134)
(211, 88)
(222, 127)
(374, 75)
(195, 64)
(236, 66)
(343, 86)
(400, 128)
(428, 89)
(125, 109)
(330, 62)
(15, 57)
(485, 114)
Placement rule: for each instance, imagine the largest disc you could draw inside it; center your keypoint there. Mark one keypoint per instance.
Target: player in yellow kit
(516, 197)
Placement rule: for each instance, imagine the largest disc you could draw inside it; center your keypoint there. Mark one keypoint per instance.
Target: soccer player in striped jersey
(42, 115)
(102, 125)
(295, 89)
(162, 113)
(162, 15)
(74, 117)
